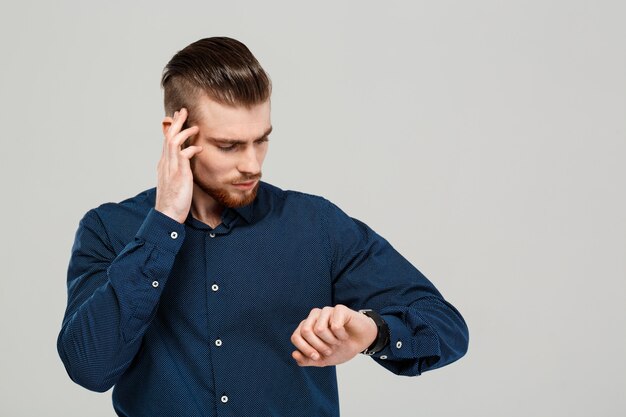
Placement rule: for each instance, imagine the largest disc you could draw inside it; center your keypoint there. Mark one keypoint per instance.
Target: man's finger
(183, 135)
(322, 328)
(308, 333)
(302, 360)
(177, 124)
(303, 345)
(337, 324)
(190, 151)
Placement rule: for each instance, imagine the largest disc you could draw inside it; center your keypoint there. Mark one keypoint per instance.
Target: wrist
(171, 214)
(372, 331)
(382, 335)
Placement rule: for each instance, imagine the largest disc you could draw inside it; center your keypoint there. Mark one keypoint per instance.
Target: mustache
(243, 180)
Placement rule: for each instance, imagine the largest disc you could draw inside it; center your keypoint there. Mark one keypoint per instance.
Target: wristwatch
(383, 332)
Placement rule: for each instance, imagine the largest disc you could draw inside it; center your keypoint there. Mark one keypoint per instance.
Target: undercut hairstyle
(222, 68)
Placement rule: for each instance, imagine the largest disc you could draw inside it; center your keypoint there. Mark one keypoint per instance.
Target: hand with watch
(335, 334)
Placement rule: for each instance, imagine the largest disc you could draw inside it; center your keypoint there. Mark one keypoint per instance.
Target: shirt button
(224, 399)
(214, 287)
(155, 284)
(173, 235)
(212, 234)
(383, 356)
(218, 342)
(399, 344)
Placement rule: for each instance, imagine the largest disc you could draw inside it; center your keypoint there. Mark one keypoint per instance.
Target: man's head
(227, 94)
(220, 67)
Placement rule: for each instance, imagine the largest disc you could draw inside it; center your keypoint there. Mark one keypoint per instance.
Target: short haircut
(222, 68)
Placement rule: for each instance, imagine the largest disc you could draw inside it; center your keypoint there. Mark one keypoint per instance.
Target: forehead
(235, 122)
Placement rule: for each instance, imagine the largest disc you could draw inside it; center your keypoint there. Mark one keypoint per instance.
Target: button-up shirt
(190, 320)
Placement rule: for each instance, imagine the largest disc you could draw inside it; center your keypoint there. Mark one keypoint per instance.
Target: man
(216, 293)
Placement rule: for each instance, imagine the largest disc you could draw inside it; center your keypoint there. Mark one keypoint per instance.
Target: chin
(228, 198)
(248, 197)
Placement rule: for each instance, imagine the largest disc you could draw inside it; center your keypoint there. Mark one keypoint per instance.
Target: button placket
(214, 328)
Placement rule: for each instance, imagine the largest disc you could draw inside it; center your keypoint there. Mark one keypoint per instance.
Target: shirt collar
(245, 211)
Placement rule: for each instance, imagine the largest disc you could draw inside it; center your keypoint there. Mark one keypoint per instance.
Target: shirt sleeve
(426, 331)
(112, 297)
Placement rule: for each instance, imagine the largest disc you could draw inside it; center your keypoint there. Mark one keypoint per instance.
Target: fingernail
(315, 356)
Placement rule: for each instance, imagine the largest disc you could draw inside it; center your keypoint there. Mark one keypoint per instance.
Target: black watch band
(383, 332)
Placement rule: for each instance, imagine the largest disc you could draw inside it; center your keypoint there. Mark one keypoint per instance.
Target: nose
(249, 163)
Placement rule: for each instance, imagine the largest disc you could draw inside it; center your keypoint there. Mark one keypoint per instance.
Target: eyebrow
(240, 142)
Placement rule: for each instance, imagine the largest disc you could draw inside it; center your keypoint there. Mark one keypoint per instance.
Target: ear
(166, 123)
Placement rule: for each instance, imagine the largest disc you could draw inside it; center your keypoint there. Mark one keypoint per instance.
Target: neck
(205, 208)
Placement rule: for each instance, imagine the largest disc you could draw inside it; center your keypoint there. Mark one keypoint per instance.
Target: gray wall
(485, 140)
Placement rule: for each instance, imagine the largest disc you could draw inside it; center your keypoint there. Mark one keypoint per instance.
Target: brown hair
(221, 67)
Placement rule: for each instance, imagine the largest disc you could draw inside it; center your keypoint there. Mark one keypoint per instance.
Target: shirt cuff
(162, 231)
(400, 344)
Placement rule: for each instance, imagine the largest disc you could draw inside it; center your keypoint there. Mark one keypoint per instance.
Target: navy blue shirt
(189, 320)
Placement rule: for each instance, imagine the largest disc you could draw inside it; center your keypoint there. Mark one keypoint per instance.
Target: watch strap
(382, 339)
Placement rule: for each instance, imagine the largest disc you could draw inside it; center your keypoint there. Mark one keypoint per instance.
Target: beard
(227, 198)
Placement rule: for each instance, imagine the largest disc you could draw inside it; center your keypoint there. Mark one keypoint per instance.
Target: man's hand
(331, 336)
(175, 179)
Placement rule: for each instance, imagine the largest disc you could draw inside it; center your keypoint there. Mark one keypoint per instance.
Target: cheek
(213, 161)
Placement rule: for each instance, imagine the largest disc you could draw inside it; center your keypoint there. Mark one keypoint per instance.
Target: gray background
(485, 140)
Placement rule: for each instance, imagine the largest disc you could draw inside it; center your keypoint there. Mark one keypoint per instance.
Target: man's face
(234, 141)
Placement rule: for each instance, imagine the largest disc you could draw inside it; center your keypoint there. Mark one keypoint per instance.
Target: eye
(227, 148)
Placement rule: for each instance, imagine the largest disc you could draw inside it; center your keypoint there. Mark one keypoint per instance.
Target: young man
(216, 293)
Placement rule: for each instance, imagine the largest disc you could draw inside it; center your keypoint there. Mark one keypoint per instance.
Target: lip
(245, 185)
